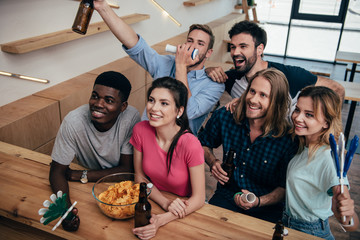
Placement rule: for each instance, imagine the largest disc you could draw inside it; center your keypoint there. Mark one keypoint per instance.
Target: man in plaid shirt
(257, 131)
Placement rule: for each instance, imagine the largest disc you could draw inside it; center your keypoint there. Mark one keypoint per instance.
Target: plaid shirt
(260, 166)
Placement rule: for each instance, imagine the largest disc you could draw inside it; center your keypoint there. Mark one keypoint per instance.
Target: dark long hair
(180, 94)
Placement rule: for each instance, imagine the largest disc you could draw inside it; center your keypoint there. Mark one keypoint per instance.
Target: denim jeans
(319, 228)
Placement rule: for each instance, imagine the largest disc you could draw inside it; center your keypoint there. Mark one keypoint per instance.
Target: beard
(201, 59)
(249, 63)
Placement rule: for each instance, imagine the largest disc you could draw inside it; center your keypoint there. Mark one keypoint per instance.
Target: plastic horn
(64, 216)
(172, 49)
(248, 197)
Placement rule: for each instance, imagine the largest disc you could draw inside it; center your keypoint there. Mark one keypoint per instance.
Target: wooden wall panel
(128, 68)
(220, 28)
(46, 148)
(137, 99)
(29, 122)
(71, 93)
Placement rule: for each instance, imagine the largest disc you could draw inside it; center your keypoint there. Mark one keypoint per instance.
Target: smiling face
(243, 52)
(105, 106)
(199, 40)
(305, 122)
(161, 108)
(258, 98)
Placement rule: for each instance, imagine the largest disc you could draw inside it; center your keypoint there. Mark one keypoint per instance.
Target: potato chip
(122, 193)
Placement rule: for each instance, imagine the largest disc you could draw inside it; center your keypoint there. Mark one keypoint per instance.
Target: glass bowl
(116, 194)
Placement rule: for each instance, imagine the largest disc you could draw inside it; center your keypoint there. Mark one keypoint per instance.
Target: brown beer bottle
(83, 16)
(228, 165)
(142, 208)
(279, 231)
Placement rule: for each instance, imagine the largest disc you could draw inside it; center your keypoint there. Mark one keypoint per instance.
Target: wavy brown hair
(328, 102)
(276, 123)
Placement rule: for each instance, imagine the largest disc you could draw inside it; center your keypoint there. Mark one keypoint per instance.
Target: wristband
(84, 178)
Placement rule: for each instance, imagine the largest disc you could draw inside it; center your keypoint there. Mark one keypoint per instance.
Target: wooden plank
(320, 73)
(10, 229)
(137, 99)
(55, 38)
(193, 3)
(351, 57)
(46, 148)
(257, 225)
(30, 155)
(352, 90)
(129, 68)
(71, 93)
(29, 122)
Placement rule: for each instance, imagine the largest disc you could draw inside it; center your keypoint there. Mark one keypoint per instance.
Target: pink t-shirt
(188, 153)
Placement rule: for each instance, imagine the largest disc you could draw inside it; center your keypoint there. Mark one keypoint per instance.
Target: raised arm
(118, 27)
(182, 61)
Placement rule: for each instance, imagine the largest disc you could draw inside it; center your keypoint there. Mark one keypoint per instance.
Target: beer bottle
(142, 208)
(228, 165)
(83, 16)
(279, 231)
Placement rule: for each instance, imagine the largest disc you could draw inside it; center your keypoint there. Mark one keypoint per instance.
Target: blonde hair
(275, 120)
(328, 102)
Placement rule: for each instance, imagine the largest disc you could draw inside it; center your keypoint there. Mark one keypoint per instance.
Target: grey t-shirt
(77, 137)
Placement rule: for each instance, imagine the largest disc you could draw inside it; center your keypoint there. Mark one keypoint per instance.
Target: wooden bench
(31, 122)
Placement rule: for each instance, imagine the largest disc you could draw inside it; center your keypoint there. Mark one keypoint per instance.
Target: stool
(245, 7)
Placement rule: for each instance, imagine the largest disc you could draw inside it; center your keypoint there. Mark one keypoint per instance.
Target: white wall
(22, 19)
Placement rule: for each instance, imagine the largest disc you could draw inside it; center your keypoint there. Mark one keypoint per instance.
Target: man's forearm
(276, 196)
(209, 156)
(58, 182)
(181, 75)
(118, 27)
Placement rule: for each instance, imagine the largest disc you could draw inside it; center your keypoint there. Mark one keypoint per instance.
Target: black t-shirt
(297, 77)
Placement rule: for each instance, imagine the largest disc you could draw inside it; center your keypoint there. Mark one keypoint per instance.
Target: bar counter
(24, 186)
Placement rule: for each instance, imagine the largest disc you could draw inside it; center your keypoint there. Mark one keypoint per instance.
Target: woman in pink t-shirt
(166, 152)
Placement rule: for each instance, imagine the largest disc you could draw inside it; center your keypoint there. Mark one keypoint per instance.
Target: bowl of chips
(117, 194)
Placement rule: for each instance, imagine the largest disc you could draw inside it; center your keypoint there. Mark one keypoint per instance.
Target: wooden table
(24, 185)
(350, 57)
(352, 92)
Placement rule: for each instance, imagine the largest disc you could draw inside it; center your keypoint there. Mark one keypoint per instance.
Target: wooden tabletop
(347, 57)
(24, 185)
(352, 90)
